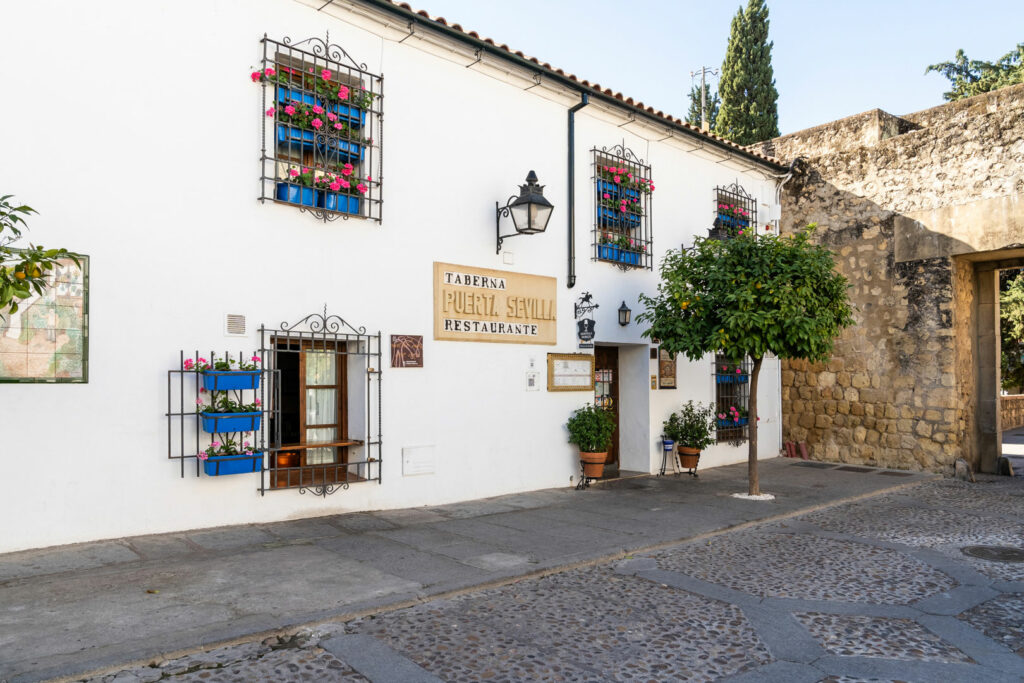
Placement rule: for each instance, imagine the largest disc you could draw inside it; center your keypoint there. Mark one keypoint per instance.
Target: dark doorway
(606, 395)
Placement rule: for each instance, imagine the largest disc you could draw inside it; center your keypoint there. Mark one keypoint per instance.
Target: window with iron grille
(321, 130)
(732, 399)
(622, 208)
(735, 211)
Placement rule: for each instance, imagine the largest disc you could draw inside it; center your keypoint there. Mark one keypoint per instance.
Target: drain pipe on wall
(570, 281)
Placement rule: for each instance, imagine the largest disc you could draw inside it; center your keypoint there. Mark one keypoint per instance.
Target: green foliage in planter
(694, 427)
(591, 429)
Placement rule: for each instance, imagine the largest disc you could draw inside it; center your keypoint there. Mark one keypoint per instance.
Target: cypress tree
(749, 111)
(712, 105)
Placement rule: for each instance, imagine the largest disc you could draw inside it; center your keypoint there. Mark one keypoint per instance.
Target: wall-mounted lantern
(530, 211)
(624, 314)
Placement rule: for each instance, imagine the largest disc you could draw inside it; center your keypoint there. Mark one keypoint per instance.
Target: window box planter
(608, 218)
(223, 423)
(731, 379)
(286, 94)
(631, 194)
(219, 465)
(725, 219)
(234, 380)
(295, 194)
(631, 219)
(336, 201)
(294, 137)
(342, 150)
(608, 252)
(728, 423)
(629, 257)
(604, 187)
(354, 116)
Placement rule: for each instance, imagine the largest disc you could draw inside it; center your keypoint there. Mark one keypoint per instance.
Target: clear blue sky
(832, 58)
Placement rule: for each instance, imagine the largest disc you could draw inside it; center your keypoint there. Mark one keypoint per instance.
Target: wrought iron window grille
(622, 208)
(732, 399)
(186, 439)
(321, 132)
(356, 446)
(735, 211)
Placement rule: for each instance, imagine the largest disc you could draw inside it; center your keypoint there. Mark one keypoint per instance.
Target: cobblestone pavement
(876, 590)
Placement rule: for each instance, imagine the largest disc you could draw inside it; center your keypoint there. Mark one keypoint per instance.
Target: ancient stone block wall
(1011, 411)
(894, 394)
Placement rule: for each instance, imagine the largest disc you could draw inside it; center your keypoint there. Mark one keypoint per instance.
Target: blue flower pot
(337, 150)
(296, 194)
(723, 379)
(608, 252)
(286, 94)
(219, 465)
(629, 257)
(728, 422)
(336, 201)
(631, 219)
(353, 116)
(608, 218)
(605, 187)
(631, 194)
(234, 380)
(294, 137)
(223, 423)
(733, 221)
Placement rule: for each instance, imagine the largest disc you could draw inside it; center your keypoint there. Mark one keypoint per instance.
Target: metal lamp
(624, 314)
(530, 211)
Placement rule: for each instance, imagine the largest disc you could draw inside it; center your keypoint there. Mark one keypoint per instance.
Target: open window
(325, 421)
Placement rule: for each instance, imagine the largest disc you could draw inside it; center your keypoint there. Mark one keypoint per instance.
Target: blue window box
(286, 94)
(219, 465)
(234, 380)
(337, 150)
(733, 221)
(631, 219)
(296, 194)
(629, 257)
(631, 194)
(223, 423)
(608, 252)
(294, 137)
(336, 201)
(353, 116)
(728, 423)
(604, 187)
(609, 218)
(729, 379)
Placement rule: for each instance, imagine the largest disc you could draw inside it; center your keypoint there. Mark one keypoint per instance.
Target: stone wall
(884, 191)
(1011, 411)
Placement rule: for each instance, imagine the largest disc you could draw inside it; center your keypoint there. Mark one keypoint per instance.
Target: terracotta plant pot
(593, 463)
(688, 457)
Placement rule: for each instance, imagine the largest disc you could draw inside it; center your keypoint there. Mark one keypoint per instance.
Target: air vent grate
(234, 325)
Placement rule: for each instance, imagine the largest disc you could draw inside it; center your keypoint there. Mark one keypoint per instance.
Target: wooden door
(606, 394)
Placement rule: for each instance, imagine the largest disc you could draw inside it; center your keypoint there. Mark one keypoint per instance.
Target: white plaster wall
(137, 141)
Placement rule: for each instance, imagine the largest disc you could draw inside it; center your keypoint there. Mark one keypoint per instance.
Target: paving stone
(859, 636)
(805, 566)
(57, 560)
(230, 538)
(1001, 619)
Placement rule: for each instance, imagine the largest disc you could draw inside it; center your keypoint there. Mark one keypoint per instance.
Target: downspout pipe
(570, 281)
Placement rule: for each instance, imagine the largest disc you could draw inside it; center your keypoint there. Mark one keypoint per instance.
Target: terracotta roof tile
(607, 91)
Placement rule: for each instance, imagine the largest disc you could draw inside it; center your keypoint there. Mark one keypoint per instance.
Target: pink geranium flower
(316, 123)
(362, 188)
(331, 116)
(255, 76)
(606, 196)
(269, 71)
(344, 183)
(616, 178)
(290, 110)
(292, 172)
(335, 186)
(343, 93)
(338, 125)
(326, 74)
(317, 109)
(270, 112)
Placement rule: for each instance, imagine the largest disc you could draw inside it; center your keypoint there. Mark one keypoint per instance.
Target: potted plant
(341, 190)
(731, 372)
(297, 187)
(731, 214)
(733, 417)
(693, 431)
(227, 458)
(608, 247)
(227, 374)
(224, 415)
(591, 428)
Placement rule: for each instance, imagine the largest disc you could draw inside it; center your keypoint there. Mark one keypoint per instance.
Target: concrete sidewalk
(71, 610)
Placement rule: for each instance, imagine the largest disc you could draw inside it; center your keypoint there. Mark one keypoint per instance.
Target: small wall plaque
(407, 351)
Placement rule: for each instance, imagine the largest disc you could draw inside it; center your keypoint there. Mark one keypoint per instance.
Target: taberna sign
(585, 325)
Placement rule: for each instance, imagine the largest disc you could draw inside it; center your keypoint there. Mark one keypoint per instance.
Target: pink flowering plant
(731, 369)
(733, 211)
(342, 182)
(622, 204)
(221, 402)
(625, 178)
(226, 447)
(225, 364)
(300, 175)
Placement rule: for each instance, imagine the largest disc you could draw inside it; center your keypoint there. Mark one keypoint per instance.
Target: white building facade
(144, 143)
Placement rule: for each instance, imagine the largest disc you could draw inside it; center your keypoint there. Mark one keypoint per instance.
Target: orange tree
(749, 295)
(22, 271)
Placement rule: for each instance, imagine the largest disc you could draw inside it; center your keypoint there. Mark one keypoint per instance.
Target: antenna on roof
(703, 94)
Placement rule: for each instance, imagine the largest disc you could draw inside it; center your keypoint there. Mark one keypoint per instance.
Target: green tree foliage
(749, 296)
(22, 271)
(712, 104)
(970, 77)
(749, 111)
(1011, 314)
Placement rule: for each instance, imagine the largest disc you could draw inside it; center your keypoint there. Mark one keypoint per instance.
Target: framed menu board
(570, 372)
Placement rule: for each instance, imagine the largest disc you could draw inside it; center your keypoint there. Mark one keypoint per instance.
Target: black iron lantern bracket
(529, 211)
